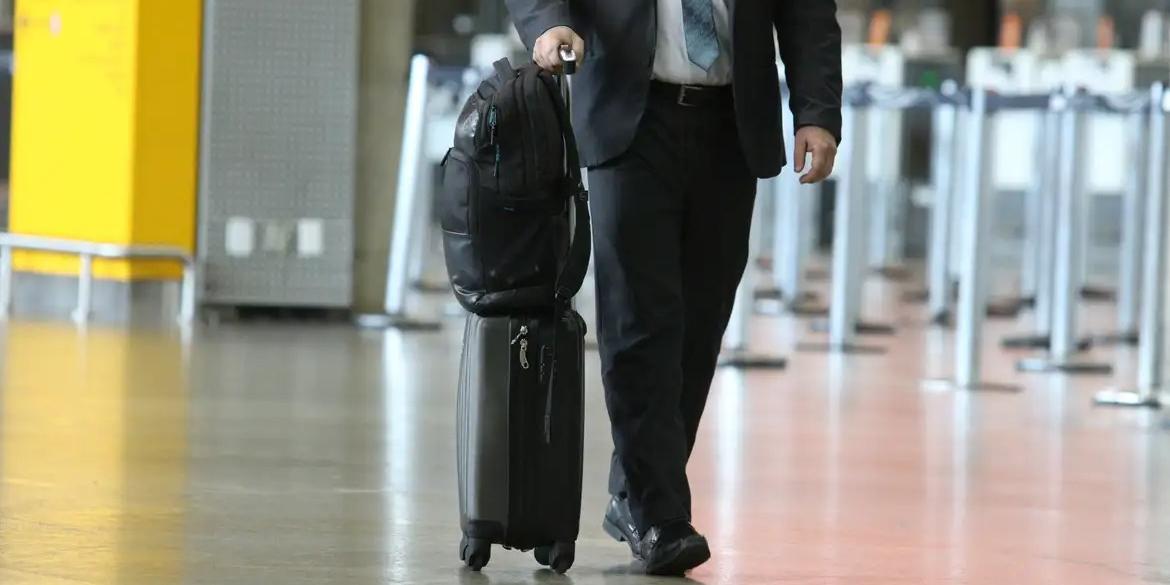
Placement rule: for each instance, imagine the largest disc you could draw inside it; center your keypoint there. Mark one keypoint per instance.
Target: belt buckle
(682, 95)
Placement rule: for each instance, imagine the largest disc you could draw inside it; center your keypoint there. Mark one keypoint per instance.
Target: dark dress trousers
(673, 187)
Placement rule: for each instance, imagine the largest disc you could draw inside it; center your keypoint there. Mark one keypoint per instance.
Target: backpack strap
(572, 274)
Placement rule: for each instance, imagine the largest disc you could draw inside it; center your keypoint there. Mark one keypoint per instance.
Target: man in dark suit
(677, 113)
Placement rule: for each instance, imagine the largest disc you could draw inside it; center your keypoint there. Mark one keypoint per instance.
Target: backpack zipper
(492, 125)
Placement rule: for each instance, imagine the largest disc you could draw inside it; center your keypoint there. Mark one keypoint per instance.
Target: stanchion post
(848, 218)
(1047, 162)
(737, 341)
(976, 205)
(406, 207)
(849, 232)
(1152, 328)
(5, 282)
(1033, 261)
(1070, 245)
(84, 290)
(939, 283)
(1133, 207)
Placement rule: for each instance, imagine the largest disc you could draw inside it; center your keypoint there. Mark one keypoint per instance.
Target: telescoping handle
(569, 58)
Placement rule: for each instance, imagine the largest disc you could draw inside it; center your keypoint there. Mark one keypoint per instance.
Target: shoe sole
(690, 553)
(616, 533)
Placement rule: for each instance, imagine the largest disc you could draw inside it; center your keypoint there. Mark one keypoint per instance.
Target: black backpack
(511, 189)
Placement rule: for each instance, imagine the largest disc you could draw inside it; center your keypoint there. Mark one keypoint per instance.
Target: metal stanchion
(975, 208)
(1070, 244)
(1034, 261)
(1152, 328)
(881, 256)
(799, 226)
(737, 340)
(1129, 280)
(791, 226)
(849, 262)
(403, 239)
(5, 282)
(940, 286)
(1048, 163)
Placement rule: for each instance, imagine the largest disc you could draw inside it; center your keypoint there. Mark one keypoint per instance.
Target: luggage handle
(569, 59)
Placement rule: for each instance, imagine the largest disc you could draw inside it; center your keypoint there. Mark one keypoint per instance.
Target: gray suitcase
(520, 436)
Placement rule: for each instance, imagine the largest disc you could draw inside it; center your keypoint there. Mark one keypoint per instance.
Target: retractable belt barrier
(1151, 328)
(850, 226)
(1070, 230)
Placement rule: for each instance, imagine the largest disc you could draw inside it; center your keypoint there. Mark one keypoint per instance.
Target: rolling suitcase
(520, 436)
(520, 414)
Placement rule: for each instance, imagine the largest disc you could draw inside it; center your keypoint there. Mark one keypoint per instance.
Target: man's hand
(547, 52)
(822, 146)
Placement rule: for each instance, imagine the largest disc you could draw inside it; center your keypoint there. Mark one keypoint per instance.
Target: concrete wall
(385, 58)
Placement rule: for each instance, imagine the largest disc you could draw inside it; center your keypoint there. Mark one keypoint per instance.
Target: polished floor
(297, 454)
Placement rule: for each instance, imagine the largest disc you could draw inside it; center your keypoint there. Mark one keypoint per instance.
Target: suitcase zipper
(522, 339)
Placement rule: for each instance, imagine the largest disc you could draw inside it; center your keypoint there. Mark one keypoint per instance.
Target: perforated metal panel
(279, 139)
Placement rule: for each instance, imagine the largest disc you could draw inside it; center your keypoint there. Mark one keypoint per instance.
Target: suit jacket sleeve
(534, 17)
(810, 46)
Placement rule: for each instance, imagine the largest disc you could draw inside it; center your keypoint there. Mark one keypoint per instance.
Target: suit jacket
(610, 89)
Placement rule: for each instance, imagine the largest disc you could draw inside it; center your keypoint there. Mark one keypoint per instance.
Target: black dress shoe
(673, 549)
(619, 524)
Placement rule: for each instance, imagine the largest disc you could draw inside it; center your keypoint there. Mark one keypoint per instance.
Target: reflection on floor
(289, 454)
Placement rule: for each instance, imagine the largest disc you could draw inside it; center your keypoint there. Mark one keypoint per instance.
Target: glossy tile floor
(290, 454)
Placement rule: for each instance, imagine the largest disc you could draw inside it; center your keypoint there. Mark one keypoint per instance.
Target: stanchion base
(769, 294)
(1119, 338)
(1047, 365)
(1026, 342)
(947, 384)
(862, 328)
(852, 348)
(916, 297)
(816, 274)
(1128, 398)
(1040, 342)
(1004, 308)
(1096, 293)
(746, 360)
(942, 319)
(428, 287)
(400, 322)
(894, 273)
(808, 308)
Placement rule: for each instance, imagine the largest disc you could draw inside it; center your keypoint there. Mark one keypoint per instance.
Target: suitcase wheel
(561, 556)
(475, 552)
(543, 555)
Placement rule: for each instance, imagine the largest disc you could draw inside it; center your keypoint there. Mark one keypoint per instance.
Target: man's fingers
(800, 153)
(822, 167)
(579, 48)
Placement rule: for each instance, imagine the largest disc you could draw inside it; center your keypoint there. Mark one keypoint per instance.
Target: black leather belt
(692, 96)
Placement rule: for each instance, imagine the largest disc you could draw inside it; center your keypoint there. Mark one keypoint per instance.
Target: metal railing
(87, 251)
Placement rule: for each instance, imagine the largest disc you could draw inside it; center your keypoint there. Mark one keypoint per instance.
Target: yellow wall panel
(167, 127)
(105, 126)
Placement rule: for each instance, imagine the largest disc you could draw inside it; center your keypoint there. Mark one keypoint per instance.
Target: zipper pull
(522, 339)
(492, 125)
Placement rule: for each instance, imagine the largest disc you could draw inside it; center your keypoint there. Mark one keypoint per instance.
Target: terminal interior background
(229, 353)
